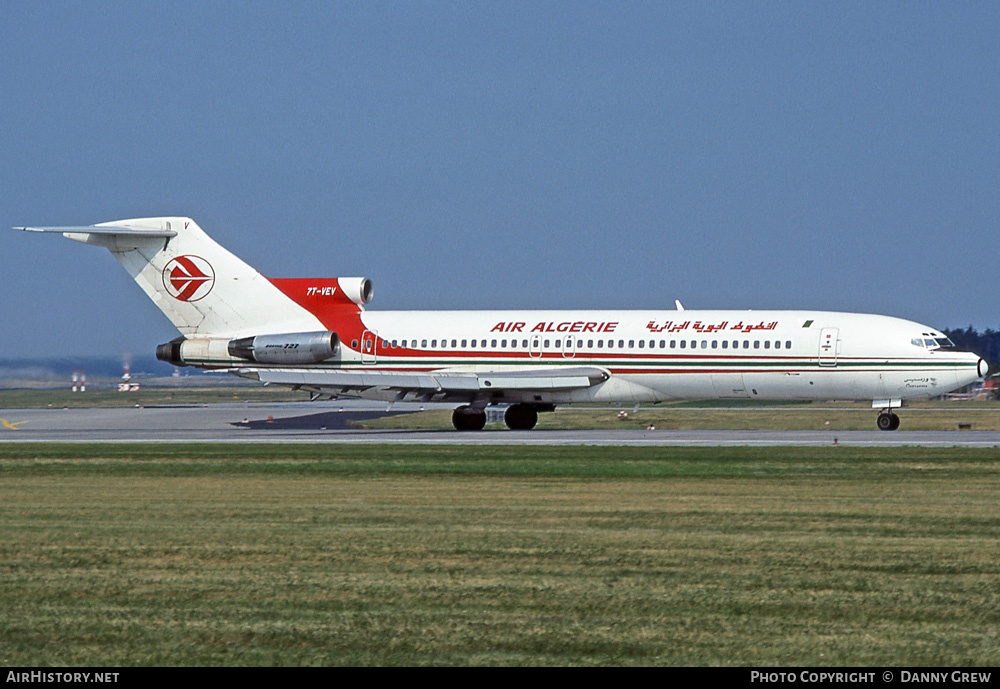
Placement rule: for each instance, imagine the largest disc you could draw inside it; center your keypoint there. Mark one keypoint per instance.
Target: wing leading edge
(465, 386)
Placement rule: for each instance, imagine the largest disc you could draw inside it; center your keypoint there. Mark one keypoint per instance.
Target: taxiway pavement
(308, 423)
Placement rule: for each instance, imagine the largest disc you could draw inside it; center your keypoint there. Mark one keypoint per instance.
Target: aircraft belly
(730, 385)
(823, 384)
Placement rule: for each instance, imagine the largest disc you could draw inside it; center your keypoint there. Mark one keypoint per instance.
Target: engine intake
(358, 290)
(286, 348)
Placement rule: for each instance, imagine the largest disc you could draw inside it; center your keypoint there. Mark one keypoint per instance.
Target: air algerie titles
(553, 327)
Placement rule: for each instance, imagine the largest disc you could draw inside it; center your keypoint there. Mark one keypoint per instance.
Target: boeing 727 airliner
(318, 335)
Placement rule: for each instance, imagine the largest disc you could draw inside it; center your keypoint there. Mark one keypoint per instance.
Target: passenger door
(829, 346)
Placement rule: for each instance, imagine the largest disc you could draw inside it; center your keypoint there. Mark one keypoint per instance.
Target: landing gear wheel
(887, 421)
(520, 417)
(465, 418)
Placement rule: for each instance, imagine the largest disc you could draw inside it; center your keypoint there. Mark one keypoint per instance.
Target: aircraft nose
(983, 368)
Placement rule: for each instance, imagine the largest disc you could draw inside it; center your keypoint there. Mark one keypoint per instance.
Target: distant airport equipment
(79, 381)
(127, 385)
(317, 335)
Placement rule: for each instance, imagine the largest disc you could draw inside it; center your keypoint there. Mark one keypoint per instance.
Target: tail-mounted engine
(284, 348)
(290, 348)
(358, 290)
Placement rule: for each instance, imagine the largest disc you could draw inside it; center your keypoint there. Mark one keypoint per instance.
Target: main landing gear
(518, 417)
(887, 421)
(466, 418)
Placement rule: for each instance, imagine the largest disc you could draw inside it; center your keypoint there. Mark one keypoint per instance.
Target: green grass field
(405, 555)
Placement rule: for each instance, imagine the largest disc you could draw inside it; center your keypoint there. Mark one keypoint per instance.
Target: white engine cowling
(286, 348)
(358, 290)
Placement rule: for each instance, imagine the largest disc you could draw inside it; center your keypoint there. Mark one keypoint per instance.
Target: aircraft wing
(431, 385)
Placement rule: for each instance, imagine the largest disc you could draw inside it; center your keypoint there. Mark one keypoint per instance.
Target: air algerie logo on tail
(188, 278)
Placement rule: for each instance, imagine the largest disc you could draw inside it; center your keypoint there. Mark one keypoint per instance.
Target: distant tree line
(986, 344)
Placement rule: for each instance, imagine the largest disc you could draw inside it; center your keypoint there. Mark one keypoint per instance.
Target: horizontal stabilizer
(105, 230)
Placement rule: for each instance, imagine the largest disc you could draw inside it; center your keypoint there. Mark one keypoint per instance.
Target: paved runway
(311, 423)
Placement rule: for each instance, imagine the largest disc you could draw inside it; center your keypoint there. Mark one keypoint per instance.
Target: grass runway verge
(406, 555)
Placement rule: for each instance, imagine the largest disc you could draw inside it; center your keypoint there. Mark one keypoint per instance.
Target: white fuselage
(668, 355)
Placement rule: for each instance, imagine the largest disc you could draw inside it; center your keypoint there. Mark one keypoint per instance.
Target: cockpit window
(932, 342)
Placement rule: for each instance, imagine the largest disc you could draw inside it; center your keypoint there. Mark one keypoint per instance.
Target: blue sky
(476, 155)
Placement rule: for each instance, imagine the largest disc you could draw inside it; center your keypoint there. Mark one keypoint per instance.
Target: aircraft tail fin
(200, 286)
